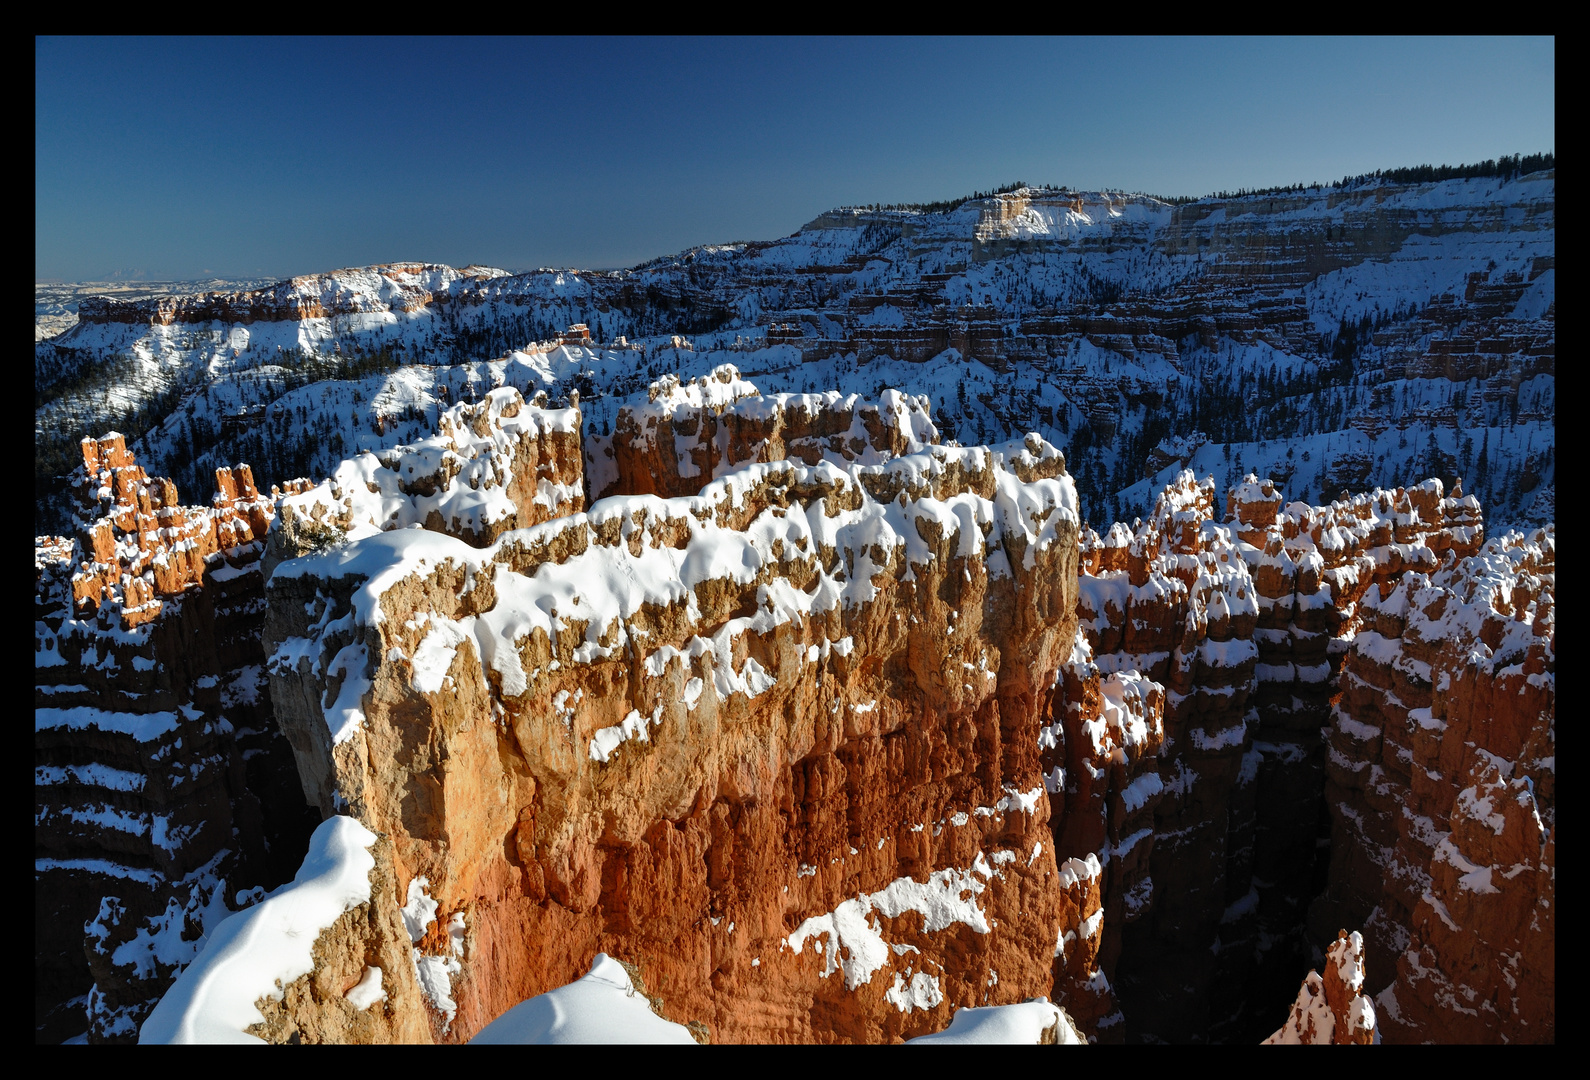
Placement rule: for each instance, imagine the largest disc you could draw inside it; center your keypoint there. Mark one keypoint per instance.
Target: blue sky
(192, 157)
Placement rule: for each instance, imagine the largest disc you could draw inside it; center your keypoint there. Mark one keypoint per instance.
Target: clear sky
(175, 159)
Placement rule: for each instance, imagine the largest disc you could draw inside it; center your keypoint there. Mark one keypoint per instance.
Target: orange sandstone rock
(800, 788)
(1332, 1010)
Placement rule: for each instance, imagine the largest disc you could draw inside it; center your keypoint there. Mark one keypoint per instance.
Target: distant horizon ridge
(1506, 167)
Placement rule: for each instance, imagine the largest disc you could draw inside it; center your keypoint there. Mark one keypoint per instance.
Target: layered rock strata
(1441, 784)
(775, 743)
(689, 434)
(158, 775)
(1240, 631)
(1166, 613)
(852, 708)
(1311, 567)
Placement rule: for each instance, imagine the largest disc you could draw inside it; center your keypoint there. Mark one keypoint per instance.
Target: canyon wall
(1227, 642)
(825, 728)
(1165, 612)
(773, 742)
(159, 774)
(1441, 785)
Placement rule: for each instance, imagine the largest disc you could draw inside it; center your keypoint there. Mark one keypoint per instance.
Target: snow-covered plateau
(1334, 337)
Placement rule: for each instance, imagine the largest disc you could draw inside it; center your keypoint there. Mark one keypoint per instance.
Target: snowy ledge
(1027, 1023)
(602, 1006)
(257, 952)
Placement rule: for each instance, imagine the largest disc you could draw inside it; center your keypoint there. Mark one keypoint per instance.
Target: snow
(1075, 870)
(854, 939)
(145, 727)
(435, 978)
(1361, 1014)
(100, 866)
(633, 726)
(1346, 955)
(91, 774)
(255, 953)
(1139, 791)
(1309, 1010)
(97, 815)
(1025, 802)
(600, 1007)
(1111, 851)
(1023, 1024)
(1471, 878)
(1220, 740)
(434, 973)
(436, 651)
(345, 716)
(368, 991)
(418, 910)
(921, 992)
(1481, 808)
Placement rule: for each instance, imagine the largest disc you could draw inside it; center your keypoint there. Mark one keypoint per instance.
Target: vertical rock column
(1167, 610)
(1473, 851)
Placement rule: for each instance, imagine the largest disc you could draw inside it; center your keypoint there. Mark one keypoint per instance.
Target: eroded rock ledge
(773, 742)
(852, 729)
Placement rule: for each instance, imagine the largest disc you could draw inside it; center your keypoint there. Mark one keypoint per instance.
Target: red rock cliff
(1442, 769)
(776, 743)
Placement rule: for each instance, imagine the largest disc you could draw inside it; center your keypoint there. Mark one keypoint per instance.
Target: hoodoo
(160, 775)
(839, 732)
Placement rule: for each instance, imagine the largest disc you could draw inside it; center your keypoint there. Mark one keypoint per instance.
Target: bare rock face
(158, 775)
(775, 743)
(1442, 772)
(1332, 1010)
